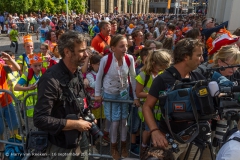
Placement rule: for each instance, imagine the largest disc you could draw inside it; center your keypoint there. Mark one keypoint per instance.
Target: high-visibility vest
(31, 101)
(157, 110)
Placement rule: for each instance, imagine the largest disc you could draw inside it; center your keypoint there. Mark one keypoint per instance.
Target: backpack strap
(94, 76)
(43, 70)
(234, 138)
(147, 77)
(127, 60)
(25, 60)
(108, 64)
(30, 75)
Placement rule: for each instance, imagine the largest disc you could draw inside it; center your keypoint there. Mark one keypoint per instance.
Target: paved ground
(5, 45)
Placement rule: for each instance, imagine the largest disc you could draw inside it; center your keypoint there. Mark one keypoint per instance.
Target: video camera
(227, 102)
(192, 102)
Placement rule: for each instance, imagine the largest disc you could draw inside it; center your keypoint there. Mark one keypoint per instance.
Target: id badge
(123, 93)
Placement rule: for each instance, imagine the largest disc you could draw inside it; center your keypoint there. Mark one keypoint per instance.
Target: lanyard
(119, 71)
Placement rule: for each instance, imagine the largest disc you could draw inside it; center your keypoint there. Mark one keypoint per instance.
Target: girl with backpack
(112, 76)
(157, 61)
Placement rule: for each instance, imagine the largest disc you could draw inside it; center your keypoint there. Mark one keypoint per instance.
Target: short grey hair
(68, 40)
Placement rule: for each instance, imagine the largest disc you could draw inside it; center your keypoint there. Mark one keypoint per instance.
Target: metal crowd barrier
(29, 125)
(6, 133)
(32, 100)
(104, 155)
(24, 28)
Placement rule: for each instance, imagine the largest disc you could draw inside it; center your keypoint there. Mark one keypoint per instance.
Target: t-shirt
(99, 42)
(162, 83)
(231, 149)
(43, 34)
(13, 35)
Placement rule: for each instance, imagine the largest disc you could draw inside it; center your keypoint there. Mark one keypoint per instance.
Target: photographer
(59, 91)
(187, 56)
(228, 56)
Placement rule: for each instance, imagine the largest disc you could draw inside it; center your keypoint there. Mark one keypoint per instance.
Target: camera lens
(95, 131)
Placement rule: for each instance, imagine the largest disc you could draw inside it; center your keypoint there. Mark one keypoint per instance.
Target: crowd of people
(109, 56)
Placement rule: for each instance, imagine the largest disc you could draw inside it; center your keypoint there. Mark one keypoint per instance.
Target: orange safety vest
(5, 99)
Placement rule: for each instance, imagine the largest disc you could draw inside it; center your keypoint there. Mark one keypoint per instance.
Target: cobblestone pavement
(5, 45)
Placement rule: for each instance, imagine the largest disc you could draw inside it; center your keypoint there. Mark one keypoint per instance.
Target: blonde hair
(228, 52)
(160, 57)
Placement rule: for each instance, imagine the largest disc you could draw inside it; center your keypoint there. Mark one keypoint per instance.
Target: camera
(172, 143)
(88, 116)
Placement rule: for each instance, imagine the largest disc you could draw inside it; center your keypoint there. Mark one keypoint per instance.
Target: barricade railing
(24, 28)
(31, 98)
(9, 111)
(102, 151)
(104, 155)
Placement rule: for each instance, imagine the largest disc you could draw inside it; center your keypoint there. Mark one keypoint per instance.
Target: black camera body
(88, 116)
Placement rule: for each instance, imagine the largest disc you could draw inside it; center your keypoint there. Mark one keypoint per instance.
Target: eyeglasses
(229, 64)
(43, 48)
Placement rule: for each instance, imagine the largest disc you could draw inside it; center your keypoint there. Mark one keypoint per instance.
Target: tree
(49, 6)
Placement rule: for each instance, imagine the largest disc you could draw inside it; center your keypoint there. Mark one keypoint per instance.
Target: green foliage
(49, 6)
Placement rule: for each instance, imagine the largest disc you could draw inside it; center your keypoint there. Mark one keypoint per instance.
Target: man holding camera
(61, 99)
(187, 56)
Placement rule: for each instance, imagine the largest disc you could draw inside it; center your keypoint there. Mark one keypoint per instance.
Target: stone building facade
(124, 6)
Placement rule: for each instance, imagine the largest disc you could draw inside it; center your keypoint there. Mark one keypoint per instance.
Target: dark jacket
(50, 110)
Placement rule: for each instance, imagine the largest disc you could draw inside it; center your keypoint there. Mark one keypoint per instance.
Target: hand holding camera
(83, 125)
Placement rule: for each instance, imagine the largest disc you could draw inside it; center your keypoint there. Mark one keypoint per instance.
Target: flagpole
(67, 13)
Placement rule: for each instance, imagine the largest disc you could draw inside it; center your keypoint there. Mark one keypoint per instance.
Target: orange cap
(35, 58)
(131, 26)
(27, 39)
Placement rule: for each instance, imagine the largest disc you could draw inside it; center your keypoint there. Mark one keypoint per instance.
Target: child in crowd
(135, 118)
(7, 111)
(13, 36)
(97, 109)
(28, 83)
(156, 62)
(56, 56)
(12, 76)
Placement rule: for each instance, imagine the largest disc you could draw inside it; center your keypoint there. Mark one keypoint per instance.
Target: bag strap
(176, 136)
(234, 138)
(103, 39)
(147, 77)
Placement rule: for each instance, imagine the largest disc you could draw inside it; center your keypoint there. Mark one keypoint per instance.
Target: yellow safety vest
(157, 110)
